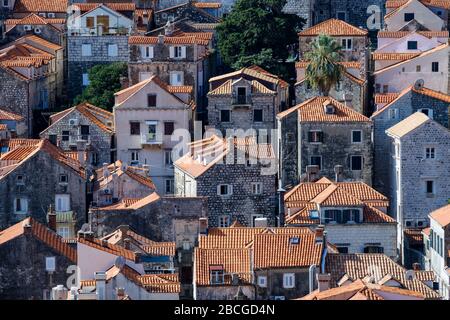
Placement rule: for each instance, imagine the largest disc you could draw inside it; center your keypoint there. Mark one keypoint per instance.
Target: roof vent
(418, 85)
(329, 109)
(294, 240)
(410, 275)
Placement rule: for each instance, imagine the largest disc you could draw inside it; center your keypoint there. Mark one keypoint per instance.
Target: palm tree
(324, 70)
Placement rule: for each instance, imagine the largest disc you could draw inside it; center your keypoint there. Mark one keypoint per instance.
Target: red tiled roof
(108, 247)
(116, 6)
(207, 5)
(334, 27)
(401, 34)
(8, 115)
(37, 6)
(34, 19)
(442, 215)
(42, 233)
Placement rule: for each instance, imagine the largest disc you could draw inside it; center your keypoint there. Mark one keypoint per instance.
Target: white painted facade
(90, 23)
(423, 15)
(438, 263)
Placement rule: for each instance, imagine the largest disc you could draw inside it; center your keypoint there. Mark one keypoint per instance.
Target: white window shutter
(143, 49)
(171, 52)
(183, 52)
(218, 190)
(150, 51)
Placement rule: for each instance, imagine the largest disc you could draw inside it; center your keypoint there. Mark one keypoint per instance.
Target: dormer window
(216, 274)
(241, 95)
(329, 109)
(412, 45)
(409, 17)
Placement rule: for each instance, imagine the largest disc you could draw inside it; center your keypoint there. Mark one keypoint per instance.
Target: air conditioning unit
(73, 122)
(27, 27)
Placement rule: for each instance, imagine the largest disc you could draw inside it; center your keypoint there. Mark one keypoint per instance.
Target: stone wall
(48, 32)
(289, 135)
(223, 292)
(22, 269)
(275, 283)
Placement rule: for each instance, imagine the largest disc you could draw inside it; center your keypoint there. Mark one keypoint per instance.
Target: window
(342, 249)
(168, 158)
(224, 221)
(151, 100)
(86, 50)
(409, 17)
(341, 15)
(393, 114)
(412, 45)
(5, 3)
(103, 20)
(151, 134)
(225, 115)
(242, 95)
(113, 50)
(50, 264)
(62, 202)
(315, 136)
(90, 22)
(135, 128)
(427, 112)
(147, 52)
(20, 180)
(386, 88)
(356, 163)
(377, 88)
(169, 186)
(224, 190)
(21, 206)
(435, 67)
(262, 281)
(288, 280)
(63, 178)
(65, 135)
(316, 161)
(257, 187)
(84, 131)
(63, 232)
(356, 136)
(134, 157)
(430, 153)
(176, 78)
(373, 249)
(216, 274)
(346, 44)
(429, 185)
(257, 115)
(85, 79)
(418, 68)
(169, 128)
(177, 52)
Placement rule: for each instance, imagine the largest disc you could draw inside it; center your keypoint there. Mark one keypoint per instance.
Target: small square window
(65, 135)
(356, 163)
(346, 44)
(409, 17)
(356, 136)
(224, 189)
(20, 180)
(315, 136)
(225, 115)
(393, 114)
(262, 281)
(50, 264)
(135, 128)
(418, 68)
(288, 280)
(113, 50)
(63, 178)
(169, 186)
(412, 45)
(257, 115)
(430, 153)
(429, 185)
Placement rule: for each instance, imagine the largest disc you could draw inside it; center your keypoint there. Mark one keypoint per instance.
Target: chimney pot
(338, 170)
(323, 281)
(312, 173)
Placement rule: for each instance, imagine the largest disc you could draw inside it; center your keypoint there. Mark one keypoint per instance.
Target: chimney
(312, 173)
(323, 281)
(145, 17)
(127, 243)
(60, 293)
(105, 170)
(124, 82)
(26, 226)
(138, 257)
(87, 235)
(281, 212)
(100, 284)
(51, 218)
(203, 226)
(416, 266)
(339, 171)
(261, 223)
(120, 293)
(160, 38)
(320, 233)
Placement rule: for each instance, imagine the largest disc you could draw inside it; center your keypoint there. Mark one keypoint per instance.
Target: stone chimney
(339, 171)
(203, 226)
(100, 284)
(160, 38)
(312, 173)
(120, 293)
(323, 281)
(51, 218)
(261, 223)
(320, 233)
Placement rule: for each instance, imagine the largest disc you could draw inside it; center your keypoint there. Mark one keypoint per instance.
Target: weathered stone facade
(275, 286)
(47, 32)
(23, 274)
(79, 64)
(392, 114)
(40, 189)
(180, 10)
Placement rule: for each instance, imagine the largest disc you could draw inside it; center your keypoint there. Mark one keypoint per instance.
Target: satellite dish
(419, 84)
(120, 262)
(410, 275)
(85, 227)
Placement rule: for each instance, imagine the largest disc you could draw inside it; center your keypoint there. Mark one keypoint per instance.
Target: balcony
(116, 31)
(74, 139)
(241, 100)
(151, 139)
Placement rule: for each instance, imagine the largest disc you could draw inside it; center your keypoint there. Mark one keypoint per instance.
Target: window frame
(411, 42)
(288, 277)
(351, 162)
(262, 115)
(136, 131)
(150, 97)
(257, 186)
(112, 53)
(435, 66)
(347, 44)
(224, 221)
(360, 137)
(430, 153)
(262, 284)
(84, 47)
(229, 190)
(221, 115)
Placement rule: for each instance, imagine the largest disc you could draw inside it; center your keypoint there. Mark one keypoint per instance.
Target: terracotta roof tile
(385, 98)
(108, 247)
(401, 34)
(59, 6)
(333, 27)
(8, 115)
(34, 19)
(42, 233)
(208, 5)
(393, 4)
(442, 215)
(116, 6)
(407, 125)
(396, 56)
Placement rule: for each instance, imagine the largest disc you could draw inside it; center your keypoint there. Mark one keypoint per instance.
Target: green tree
(324, 70)
(104, 81)
(258, 32)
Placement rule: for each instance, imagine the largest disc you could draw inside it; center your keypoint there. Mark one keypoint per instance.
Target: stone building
(237, 175)
(147, 116)
(354, 41)
(83, 128)
(246, 99)
(59, 182)
(100, 36)
(419, 171)
(351, 90)
(32, 77)
(34, 260)
(325, 133)
(186, 10)
(354, 215)
(14, 123)
(393, 108)
(255, 263)
(439, 242)
(178, 58)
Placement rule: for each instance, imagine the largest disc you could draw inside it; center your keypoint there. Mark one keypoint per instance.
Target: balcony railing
(73, 139)
(151, 139)
(119, 31)
(241, 100)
